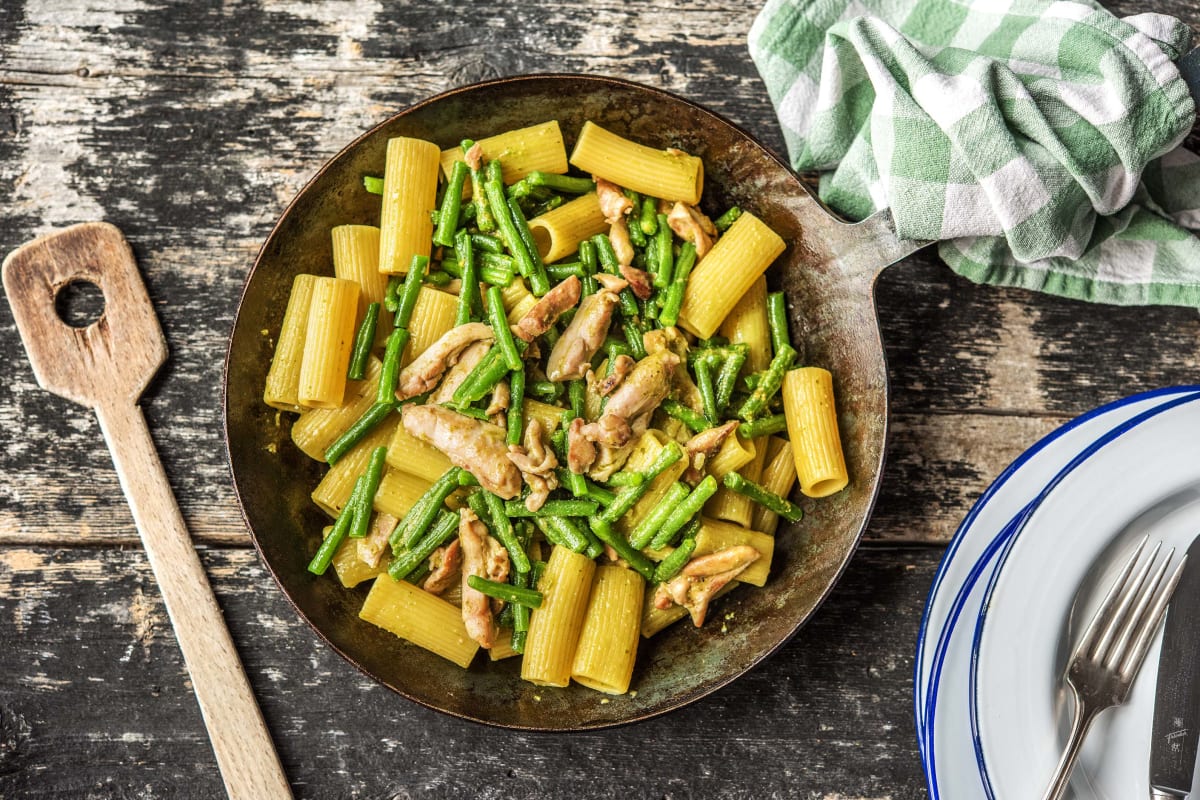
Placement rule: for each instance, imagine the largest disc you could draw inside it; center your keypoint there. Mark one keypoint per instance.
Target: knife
(1177, 698)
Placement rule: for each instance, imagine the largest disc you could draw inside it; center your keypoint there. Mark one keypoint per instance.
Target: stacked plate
(1020, 580)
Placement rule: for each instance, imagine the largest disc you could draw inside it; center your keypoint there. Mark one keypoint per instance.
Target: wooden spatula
(106, 366)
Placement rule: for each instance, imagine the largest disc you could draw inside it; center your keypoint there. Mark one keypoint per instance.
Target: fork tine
(1129, 594)
(1141, 645)
(1134, 621)
(1094, 627)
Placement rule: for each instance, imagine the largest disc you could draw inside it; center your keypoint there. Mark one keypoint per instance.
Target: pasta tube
(729, 505)
(521, 151)
(656, 619)
(410, 179)
(327, 343)
(433, 316)
(644, 454)
(334, 489)
(811, 414)
(716, 535)
(608, 642)
(409, 454)
(554, 628)
(356, 258)
(778, 476)
(726, 273)
(283, 379)
(419, 617)
(669, 174)
(398, 492)
(352, 570)
(734, 454)
(559, 231)
(747, 323)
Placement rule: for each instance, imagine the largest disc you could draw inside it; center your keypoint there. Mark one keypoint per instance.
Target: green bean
(643, 534)
(561, 183)
(493, 184)
(491, 268)
(766, 426)
(337, 534)
(684, 511)
(372, 476)
(419, 574)
(557, 531)
(539, 282)
(754, 379)
(530, 598)
(487, 243)
(633, 336)
(670, 566)
(364, 340)
(727, 376)
(723, 222)
(624, 478)
(500, 329)
(708, 396)
(552, 508)
(637, 236)
(554, 202)
(535, 577)
(451, 204)
(516, 406)
(664, 250)
(777, 321)
(769, 385)
(440, 532)
(468, 295)
(605, 255)
(467, 479)
(439, 278)
(372, 184)
(482, 378)
(422, 513)
(355, 433)
(483, 214)
(386, 393)
(598, 493)
(391, 297)
(479, 506)
(547, 391)
(674, 299)
(502, 529)
(573, 482)
(498, 261)
(587, 257)
(649, 216)
(560, 272)
(408, 294)
(763, 496)
(575, 394)
(695, 422)
(627, 496)
(520, 616)
(605, 533)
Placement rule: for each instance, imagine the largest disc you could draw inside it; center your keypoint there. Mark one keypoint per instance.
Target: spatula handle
(249, 765)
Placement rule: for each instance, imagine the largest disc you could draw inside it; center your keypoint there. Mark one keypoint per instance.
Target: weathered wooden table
(190, 125)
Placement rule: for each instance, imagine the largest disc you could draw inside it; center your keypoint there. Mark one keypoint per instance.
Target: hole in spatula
(79, 303)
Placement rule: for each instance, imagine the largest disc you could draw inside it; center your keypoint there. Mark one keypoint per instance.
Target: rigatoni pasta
(811, 415)
(600, 464)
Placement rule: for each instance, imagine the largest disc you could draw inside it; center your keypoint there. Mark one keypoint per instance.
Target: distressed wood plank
(94, 701)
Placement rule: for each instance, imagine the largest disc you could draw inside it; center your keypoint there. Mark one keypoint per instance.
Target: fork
(1112, 649)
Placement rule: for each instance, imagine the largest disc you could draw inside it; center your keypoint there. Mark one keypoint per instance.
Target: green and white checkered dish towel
(1039, 141)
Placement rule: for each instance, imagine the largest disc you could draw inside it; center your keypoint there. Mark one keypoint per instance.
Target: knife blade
(1176, 728)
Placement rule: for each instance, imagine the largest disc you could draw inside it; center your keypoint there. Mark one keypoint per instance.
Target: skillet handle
(871, 246)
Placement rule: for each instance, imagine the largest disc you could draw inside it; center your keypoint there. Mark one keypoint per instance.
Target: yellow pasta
(608, 642)
(319, 428)
(644, 452)
(410, 181)
(409, 454)
(419, 617)
(555, 626)
(327, 343)
(433, 316)
(521, 151)
(502, 649)
(559, 231)
(747, 324)
(514, 293)
(778, 476)
(811, 414)
(716, 535)
(734, 454)
(398, 492)
(352, 570)
(657, 619)
(726, 273)
(550, 416)
(668, 174)
(334, 489)
(729, 505)
(283, 379)
(356, 258)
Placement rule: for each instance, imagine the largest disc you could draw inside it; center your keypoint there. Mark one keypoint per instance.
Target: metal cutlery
(1110, 653)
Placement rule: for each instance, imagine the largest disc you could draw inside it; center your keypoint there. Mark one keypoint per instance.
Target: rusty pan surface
(828, 272)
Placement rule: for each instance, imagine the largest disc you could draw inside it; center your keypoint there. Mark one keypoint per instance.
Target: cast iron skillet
(828, 272)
